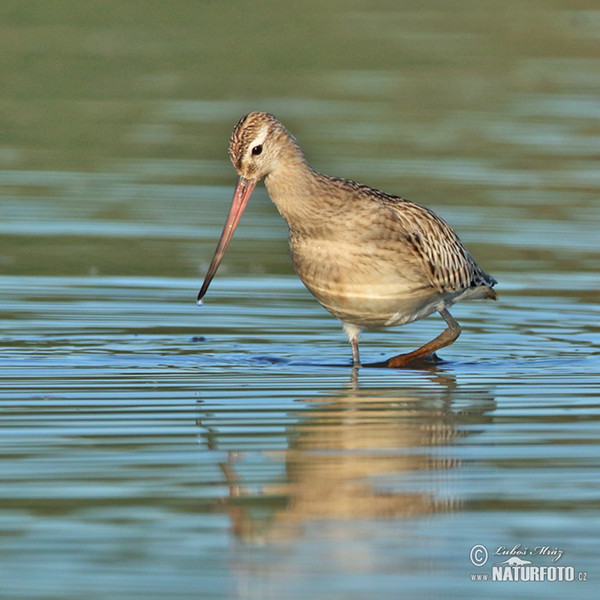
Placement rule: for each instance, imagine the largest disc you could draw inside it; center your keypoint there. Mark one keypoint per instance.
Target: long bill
(241, 195)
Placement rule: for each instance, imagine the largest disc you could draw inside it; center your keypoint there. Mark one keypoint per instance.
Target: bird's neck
(300, 196)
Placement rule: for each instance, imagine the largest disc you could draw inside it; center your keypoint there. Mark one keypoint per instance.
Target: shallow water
(151, 448)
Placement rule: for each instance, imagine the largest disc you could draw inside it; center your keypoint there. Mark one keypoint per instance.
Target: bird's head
(259, 145)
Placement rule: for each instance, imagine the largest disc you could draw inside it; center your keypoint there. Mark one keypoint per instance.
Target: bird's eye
(257, 150)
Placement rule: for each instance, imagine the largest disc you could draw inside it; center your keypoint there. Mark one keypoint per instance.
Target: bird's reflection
(362, 454)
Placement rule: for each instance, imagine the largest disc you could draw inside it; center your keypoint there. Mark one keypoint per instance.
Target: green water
(150, 448)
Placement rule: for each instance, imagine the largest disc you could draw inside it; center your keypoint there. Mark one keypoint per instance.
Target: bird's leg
(447, 337)
(353, 333)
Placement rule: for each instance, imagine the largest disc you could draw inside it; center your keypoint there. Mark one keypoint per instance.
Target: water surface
(151, 448)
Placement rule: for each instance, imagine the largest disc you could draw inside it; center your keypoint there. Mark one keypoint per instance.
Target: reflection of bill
(361, 455)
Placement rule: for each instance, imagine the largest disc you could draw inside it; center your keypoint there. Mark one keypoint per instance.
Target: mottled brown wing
(449, 265)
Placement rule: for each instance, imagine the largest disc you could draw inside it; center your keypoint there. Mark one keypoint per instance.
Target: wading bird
(371, 259)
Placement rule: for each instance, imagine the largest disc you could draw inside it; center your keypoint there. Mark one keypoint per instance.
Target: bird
(370, 258)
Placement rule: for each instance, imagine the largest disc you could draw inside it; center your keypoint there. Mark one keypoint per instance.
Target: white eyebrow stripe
(259, 140)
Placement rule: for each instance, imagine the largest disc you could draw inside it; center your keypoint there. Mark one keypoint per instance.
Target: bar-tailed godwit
(371, 259)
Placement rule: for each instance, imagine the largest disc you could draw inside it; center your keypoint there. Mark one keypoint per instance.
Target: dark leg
(447, 337)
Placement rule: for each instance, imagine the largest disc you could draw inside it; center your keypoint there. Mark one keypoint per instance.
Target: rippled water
(150, 448)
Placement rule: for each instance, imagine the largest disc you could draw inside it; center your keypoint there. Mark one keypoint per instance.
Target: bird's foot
(410, 360)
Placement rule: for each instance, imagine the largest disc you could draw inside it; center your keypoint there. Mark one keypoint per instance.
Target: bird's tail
(490, 294)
